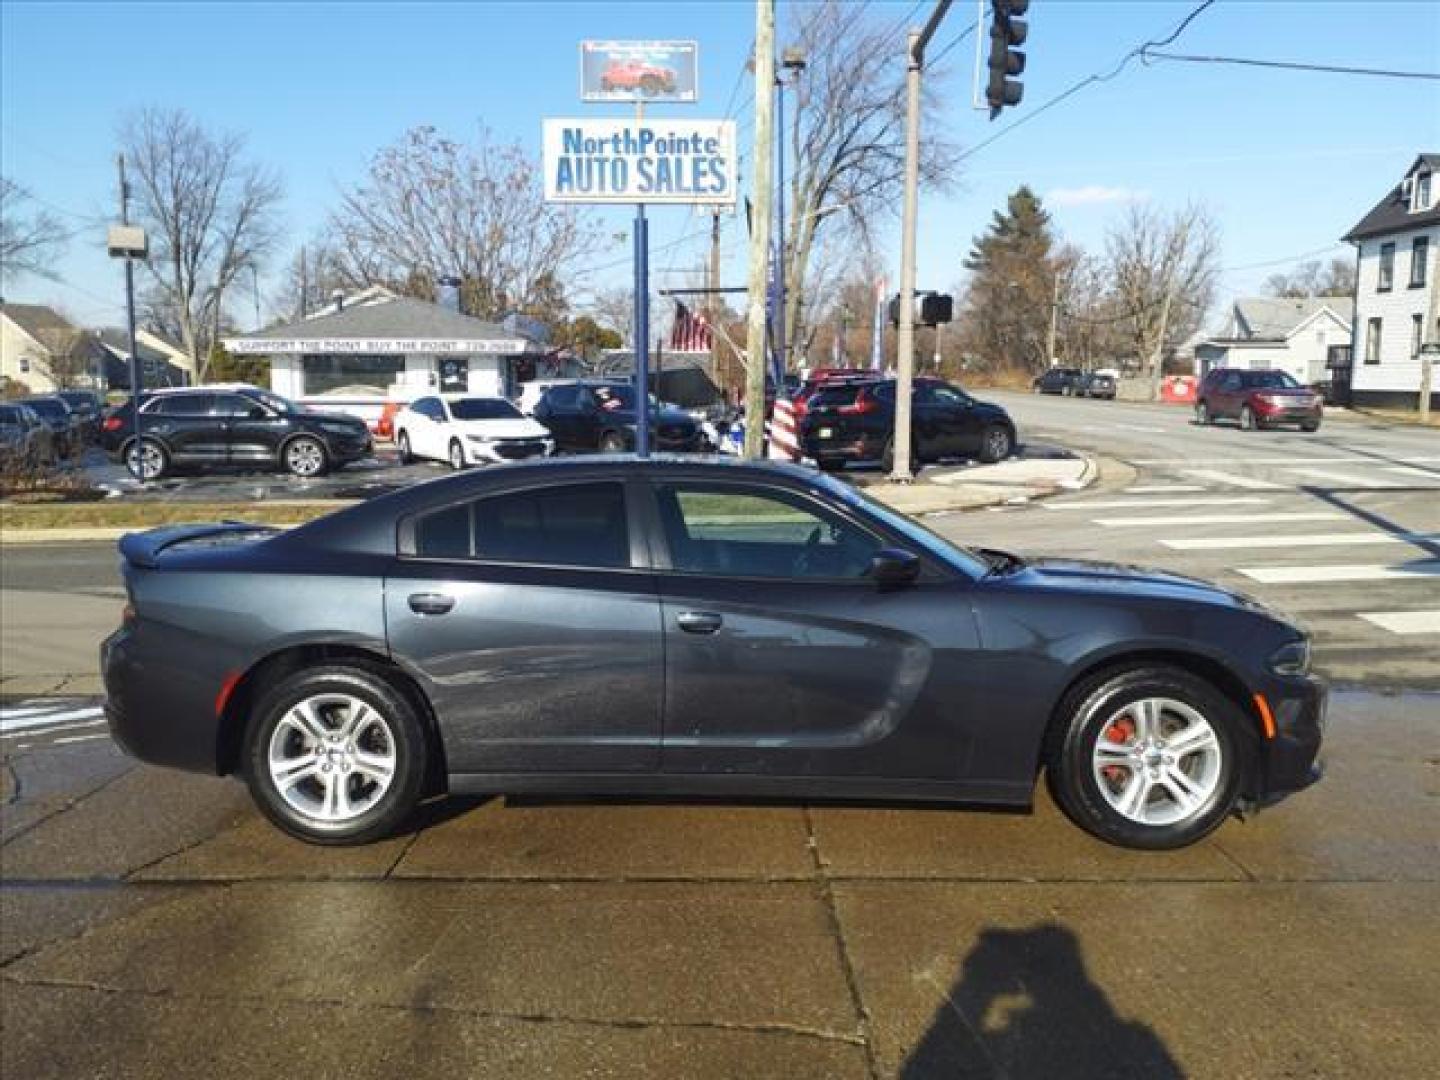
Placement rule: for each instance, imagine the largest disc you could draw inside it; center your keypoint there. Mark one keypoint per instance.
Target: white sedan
(464, 429)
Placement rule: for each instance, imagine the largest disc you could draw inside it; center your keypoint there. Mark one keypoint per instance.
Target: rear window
(1271, 380)
(833, 397)
(580, 525)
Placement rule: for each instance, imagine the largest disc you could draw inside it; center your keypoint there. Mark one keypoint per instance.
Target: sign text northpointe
(650, 161)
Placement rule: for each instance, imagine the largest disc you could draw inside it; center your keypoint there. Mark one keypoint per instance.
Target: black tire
(1202, 413)
(997, 442)
(304, 456)
(612, 442)
(1310, 426)
(831, 464)
(156, 459)
(1248, 419)
(407, 731)
(457, 455)
(402, 444)
(1090, 707)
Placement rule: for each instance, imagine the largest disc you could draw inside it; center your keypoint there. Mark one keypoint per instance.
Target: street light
(792, 63)
(128, 242)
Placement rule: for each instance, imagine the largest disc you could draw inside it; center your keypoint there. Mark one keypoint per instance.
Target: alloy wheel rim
(457, 456)
(305, 457)
(144, 461)
(332, 758)
(999, 444)
(1157, 761)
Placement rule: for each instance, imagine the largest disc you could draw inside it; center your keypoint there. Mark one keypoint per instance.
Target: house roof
(1269, 318)
(35, 319)
(398, 324)
(118, 342)
(1391, 214)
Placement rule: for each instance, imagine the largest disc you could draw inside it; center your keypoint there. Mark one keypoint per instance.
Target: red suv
(649, 79)
(1257, 399)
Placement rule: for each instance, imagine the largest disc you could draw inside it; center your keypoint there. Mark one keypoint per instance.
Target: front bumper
(497, 451)
(1291, 761)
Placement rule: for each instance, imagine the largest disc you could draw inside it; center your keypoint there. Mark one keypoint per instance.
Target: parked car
(206, 427)
(87, 405)
(1059, 380)
(531, 392)
(464, 429)
(600, 415)
(24, 437)
(67, 429)
(1095, 384)
(681, 626)
(1258, 399)
(649, 79)
(856, 423)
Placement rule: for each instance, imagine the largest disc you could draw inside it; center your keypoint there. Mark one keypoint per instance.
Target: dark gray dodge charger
(693, 627)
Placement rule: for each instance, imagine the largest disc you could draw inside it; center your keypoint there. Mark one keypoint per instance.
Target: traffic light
(1007, 30)
(936, 308)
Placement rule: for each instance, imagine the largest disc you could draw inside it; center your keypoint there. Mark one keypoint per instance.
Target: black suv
(601, 416)
(856, 422)
(232, 427)
(1059, 380)
(67, 429)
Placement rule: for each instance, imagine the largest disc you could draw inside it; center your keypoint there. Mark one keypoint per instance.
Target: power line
(1089, 80)
(932, 62)
(1282, 261)
(1147, 54)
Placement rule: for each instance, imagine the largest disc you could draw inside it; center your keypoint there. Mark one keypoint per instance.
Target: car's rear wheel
(612, 442)
(305, 457)
(402, 444)
(996, 444)
(457, 455)
(1248, 420)
(1310, 425)
(147, 459)
(1202, 413)
(1147, 757)
(336, 755)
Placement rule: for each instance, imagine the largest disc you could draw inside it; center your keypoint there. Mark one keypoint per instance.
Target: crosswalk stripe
(1301, 575)
(1233, 479)
(39, 729)
(1411, 459)
(1347, 479)
(1221, 519)
(10, 722)
(1162, 489)
(1411, 470)
(1340, 539)
(1146, 504)
(1404, 622)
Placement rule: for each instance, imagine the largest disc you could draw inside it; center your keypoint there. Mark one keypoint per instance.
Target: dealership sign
(638, 71)
(640, 161)
(377, 346)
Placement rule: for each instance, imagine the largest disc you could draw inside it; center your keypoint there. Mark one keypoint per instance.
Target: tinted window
(182, 405)
(562, 398)
(51, 409)
(883, 392)
(1271, 380)
(10, 416)
(940, 394)
(483, 409)
(234, 405)
(745, 533)
(573, 525)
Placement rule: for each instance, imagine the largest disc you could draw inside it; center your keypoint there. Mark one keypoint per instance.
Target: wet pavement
(152, 924)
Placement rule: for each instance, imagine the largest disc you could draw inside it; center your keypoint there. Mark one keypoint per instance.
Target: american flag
(691, 332)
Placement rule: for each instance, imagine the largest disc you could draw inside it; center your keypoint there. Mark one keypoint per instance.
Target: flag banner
(877, 332)
(691, 332)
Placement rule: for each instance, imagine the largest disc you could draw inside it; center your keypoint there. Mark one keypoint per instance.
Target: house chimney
(448, 293)
(338, 299)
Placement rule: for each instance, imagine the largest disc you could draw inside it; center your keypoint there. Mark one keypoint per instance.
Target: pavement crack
(837, 931)
(68, 805)
(1249, 876)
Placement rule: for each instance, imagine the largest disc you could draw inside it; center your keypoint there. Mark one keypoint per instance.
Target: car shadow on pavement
(1025, 1005)
(1336, 497)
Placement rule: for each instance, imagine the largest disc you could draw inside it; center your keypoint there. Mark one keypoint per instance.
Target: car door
(253, 431)
(951, 418)
(1231, 395)
(560, 410)
(187, 426)
(782, 658)
(530, 618)
(424, 439)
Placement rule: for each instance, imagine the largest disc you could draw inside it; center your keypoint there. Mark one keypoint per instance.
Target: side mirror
(894, 566)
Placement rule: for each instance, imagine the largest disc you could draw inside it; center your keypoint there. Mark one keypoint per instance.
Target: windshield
(9, 416)
(50, 408)
(1273, 380)
(479, 408)
(962, 559)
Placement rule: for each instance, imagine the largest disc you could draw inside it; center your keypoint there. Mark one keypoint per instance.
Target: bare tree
(1314, 278)
(313, 274)
(846, 135)
(210, 214)
(1163, 266)
(431, 207)
(30, 239)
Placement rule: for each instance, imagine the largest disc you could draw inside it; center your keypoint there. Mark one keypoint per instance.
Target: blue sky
(1286, 161)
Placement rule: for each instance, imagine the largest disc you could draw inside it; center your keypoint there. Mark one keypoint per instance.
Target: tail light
(112, 423)
(863, 405)
(127, 614)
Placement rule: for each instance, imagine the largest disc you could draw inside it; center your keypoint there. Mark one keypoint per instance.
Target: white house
(1397, 295)
(1303, 336)
(378, 347)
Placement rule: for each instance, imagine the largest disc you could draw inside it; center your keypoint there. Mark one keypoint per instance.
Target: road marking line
(1300, 575)
(1161, 489)
(9, 723)
(79, 738)
(1231, 478)
(1405, 622)
(1263, 462)
(41, 730)
(1348, 479)
(1411, 470)
(1221, 519)
(1146, 504)
(1343, 539)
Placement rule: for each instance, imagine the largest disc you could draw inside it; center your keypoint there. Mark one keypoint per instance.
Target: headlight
(1292, 659)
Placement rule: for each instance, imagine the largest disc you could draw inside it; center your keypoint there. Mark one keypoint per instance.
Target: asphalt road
(152, 924)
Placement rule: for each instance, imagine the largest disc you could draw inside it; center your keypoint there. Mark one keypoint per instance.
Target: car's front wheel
(305, 457)
(402, 444)
(146, 459)
(1310, 425)
(336, 755)
(1147, 757)
(996, 444)
(1248, 420)
(457, 455)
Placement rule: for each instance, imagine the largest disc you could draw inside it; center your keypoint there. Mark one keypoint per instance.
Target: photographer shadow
(1025, 1006)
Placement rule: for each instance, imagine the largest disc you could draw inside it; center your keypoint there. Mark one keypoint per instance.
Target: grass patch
(148, 515)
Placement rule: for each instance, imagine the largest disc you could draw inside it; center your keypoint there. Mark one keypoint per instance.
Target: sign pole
(642, 332)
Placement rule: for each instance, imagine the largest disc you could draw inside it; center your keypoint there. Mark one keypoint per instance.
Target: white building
(357, 355)
(1304, 336)
(1397, 295)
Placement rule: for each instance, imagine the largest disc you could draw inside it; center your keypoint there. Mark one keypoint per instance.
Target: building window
(1387, 268)
(1419, 253)
(1372, 342)
(353, 372)
(1422, 192)
(1417, 331)
(24, 365)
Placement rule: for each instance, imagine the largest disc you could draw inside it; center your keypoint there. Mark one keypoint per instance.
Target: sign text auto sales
(652, 161)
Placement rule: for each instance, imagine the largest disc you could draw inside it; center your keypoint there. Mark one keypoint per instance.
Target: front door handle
(699, 622)
(429, 603)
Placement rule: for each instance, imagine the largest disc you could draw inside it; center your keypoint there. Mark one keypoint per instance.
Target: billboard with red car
(639, 71)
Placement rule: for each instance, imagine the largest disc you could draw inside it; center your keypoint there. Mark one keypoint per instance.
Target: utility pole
(304, 284)
(760, 233)
(1054, 317)
(136, 377)
(713, 283)
(905, 358)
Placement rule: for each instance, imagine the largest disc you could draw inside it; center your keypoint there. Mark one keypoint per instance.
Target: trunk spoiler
(143, 549)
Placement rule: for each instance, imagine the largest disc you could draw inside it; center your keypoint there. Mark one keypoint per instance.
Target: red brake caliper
(1119, 732)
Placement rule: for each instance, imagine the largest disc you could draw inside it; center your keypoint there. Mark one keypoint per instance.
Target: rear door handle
(430, 603)
(699, 622)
